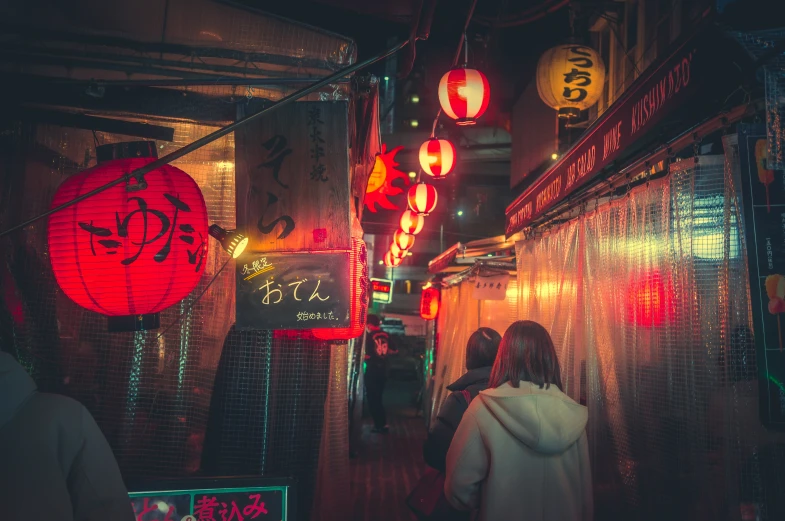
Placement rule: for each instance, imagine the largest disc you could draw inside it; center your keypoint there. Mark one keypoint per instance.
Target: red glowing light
(648, 300)
(437, 157)
(464, 95)
(422, 199)
(358, 264)
(429, 303)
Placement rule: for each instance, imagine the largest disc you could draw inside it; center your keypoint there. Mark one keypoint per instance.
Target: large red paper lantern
(134, 249)
(464, 95)
(390, 261)
(358, 309)
(422, 199)
(403, 240)
(412, 223)
(429, 303)
(437, 157)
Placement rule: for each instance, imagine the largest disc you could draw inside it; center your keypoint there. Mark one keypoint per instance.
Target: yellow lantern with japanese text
(570, 78)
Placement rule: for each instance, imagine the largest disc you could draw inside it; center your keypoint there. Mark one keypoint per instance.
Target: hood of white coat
(546, 420)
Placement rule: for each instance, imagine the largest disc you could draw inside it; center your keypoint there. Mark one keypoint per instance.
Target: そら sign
(293, 290)
(382, 290)
(684, 75)
(217, 504)
(293, 186)
(763, 196)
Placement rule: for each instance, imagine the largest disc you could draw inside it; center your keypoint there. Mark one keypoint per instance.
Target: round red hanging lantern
(422, 199)
(134, 249)
(412, 223)
(390, 261)
(648, 301)
(358, 309)
(437, 157)
(397, 252)
(429, 303)
(464, 95)
(403, 240)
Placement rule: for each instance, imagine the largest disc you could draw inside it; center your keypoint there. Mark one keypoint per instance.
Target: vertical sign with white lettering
(763, 192)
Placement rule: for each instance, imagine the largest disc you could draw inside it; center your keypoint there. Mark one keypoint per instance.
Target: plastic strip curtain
(651, 290)
(460, 316)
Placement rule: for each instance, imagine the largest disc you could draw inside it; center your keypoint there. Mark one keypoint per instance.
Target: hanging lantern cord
(462, 44)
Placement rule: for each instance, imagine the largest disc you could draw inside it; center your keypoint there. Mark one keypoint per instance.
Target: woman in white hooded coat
(520, 451)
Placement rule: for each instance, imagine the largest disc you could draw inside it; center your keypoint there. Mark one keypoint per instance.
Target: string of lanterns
(464, 95)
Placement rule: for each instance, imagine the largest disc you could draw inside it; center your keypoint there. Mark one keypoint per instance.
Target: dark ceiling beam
(114, 126)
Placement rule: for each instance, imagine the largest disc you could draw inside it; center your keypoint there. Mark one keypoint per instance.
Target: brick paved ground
(388, 466)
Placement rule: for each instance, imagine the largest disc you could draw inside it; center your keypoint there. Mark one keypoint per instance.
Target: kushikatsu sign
(641, 107)
(249, 503)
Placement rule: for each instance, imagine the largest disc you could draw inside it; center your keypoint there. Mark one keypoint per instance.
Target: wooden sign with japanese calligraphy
(213, 502)
(293, 179)
(293, 290)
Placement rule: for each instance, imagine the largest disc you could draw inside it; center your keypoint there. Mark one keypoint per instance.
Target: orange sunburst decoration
(380, 183)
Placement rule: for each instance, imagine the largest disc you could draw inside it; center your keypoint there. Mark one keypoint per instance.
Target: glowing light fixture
(403, 240)
(422, 199)
(412, 223)
(232, 241)
(437, 157)
(464, 95)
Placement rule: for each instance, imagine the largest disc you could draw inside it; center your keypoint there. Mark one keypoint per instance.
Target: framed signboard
(382, 290)
(763, 195)
(214, 499)
(293, 290)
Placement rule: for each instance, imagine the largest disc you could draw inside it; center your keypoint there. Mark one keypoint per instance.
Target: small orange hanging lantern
(422, 199)
(358, 308)
(437, 157)
(390, 261)
(403, 240)
(464, 95)
(412, 223)
(429, 303)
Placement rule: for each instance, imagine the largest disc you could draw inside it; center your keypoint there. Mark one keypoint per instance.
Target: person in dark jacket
(54, 461)
(377, 347)
(480, 355)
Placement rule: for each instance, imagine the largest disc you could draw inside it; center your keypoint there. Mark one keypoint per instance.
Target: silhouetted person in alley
(480, 355)
(54, 461)
(377, 348)
(521, 446)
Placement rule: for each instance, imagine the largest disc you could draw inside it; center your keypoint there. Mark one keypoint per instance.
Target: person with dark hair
(480, 355)
(377, 347)
(54, 461)
(521, 446)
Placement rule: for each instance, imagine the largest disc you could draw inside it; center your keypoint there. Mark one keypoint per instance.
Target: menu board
(293, 290)
(763, 192)
(208, 500)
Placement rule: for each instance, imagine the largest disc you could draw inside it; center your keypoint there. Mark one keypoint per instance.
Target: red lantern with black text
(437, 157)
(403, 240)
(390, 261)
(464, 95)
(134, 249)
(429, 303)
(422, 199)
(412, 223)
(358, 308)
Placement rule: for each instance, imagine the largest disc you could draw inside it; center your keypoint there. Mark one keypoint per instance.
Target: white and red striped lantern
(464, 95)
(437, 157)
(403, 240)
(390, 261)
(412, 223)
(396, 251)
(422, 199)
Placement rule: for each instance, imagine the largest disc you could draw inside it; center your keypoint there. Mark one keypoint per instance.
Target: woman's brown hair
(526, 353)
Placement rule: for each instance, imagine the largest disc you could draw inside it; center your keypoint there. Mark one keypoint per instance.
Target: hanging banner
(491, 288)
(292, 185)
(763, 196)
(687, 74)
